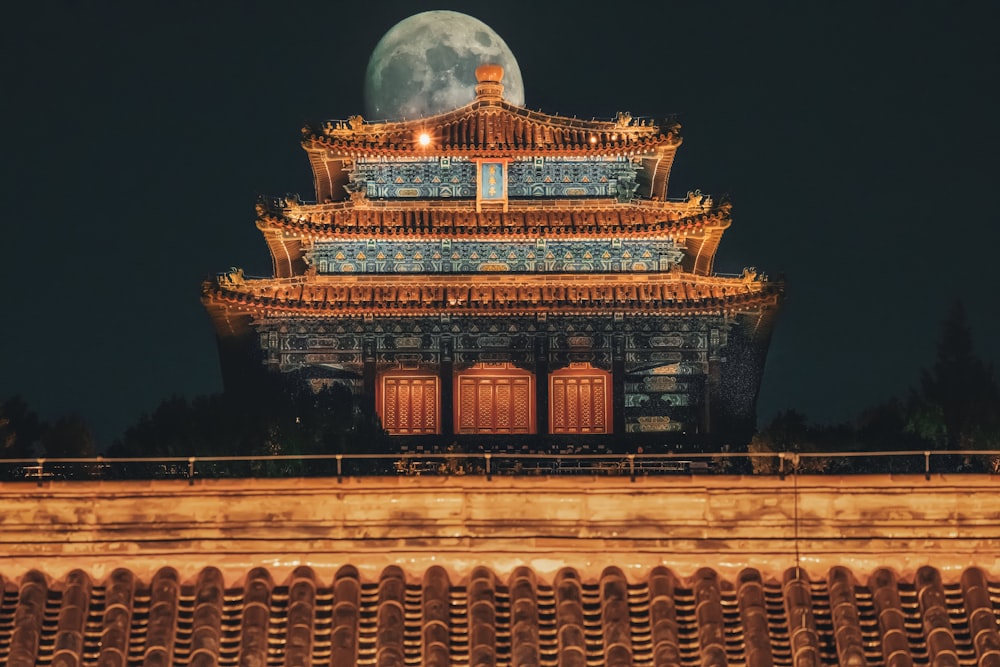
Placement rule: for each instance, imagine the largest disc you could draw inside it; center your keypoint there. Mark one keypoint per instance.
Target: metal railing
(488, 464)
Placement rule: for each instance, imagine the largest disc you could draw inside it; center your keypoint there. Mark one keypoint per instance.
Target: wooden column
(368, 376)
(542, 384)
(618, 382)
(446, 373)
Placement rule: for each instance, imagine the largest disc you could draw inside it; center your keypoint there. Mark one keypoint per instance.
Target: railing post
(781, 465)
(340, 468)
(41, 464)
(927, 465)
(191, 471)
(489, 472)
(631, 467)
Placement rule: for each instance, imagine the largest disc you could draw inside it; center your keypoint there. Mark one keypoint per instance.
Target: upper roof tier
(491, 126)
(695, 223)
(455, 218)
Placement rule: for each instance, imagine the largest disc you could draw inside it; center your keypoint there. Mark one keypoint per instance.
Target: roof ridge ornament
(488, 82)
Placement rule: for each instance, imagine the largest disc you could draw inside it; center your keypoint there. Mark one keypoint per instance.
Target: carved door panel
(579, 401)
(409, 404)
(500, 402)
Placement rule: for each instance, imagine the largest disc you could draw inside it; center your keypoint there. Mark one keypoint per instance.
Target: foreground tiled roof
(654, 618)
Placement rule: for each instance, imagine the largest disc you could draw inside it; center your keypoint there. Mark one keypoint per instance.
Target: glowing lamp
(424, 139)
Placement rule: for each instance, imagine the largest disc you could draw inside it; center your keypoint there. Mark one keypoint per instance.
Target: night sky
(858, 144)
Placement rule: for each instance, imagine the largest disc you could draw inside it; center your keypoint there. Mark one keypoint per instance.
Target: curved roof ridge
(516, 294)
(695, 202)
(452, 222)
(623, 121)
(490, 126)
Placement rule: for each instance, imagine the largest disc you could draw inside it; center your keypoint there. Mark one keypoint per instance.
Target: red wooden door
(409, 404)
(579, 400)
(495, 399)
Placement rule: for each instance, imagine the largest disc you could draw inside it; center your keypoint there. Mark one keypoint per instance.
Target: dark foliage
(959, 392)
(20, 429)
(277, 416)
(68, 437)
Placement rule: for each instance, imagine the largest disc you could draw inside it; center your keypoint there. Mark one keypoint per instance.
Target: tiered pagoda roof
(289, 225)
(489, 126)
(503, 294)
(583, 219)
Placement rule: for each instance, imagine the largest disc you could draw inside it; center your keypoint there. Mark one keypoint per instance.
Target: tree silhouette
(20, 429)
(68, 437)
(276, 415)
(960, 389)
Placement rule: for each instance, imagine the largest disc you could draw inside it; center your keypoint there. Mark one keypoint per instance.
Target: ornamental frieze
(533, 178)
(657, 401)
(332, 358)
(404, 342)
(292, 361)
(647, 367)
(520, 358)
(395, 341)
(653, 424)
(494, 341)
(658, 383)
(457, 256)
(408, 357)
(328, 341)
(405, 179)
(563, 358)
(578, 341)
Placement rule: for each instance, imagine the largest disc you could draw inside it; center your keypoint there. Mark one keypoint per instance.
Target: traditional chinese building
(498, 270)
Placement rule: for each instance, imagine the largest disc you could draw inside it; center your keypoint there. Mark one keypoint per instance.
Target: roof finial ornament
(489, 86)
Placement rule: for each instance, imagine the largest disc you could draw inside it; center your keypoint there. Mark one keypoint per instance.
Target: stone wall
(682, 521)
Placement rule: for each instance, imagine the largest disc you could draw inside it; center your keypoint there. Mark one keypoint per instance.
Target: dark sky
(857, 140)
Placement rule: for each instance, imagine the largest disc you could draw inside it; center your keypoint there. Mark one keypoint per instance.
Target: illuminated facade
(496, 270)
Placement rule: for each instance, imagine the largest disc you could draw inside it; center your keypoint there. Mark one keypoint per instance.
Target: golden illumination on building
(439, 248)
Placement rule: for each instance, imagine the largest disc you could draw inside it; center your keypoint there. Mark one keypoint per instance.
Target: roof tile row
(493, 125)
(613, 221)
(489, 295)
(658, 619)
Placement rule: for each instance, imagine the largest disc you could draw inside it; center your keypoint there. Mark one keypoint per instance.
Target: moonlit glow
(426, 65)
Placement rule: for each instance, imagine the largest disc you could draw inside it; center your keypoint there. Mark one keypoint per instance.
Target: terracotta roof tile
(641, 219)
(493, 127)
(657, 618)
(504, 293)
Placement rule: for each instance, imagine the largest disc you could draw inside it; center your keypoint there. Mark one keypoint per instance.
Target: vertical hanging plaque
(491, 188)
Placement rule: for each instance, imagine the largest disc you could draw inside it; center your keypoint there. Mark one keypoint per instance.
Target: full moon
(426, 64)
